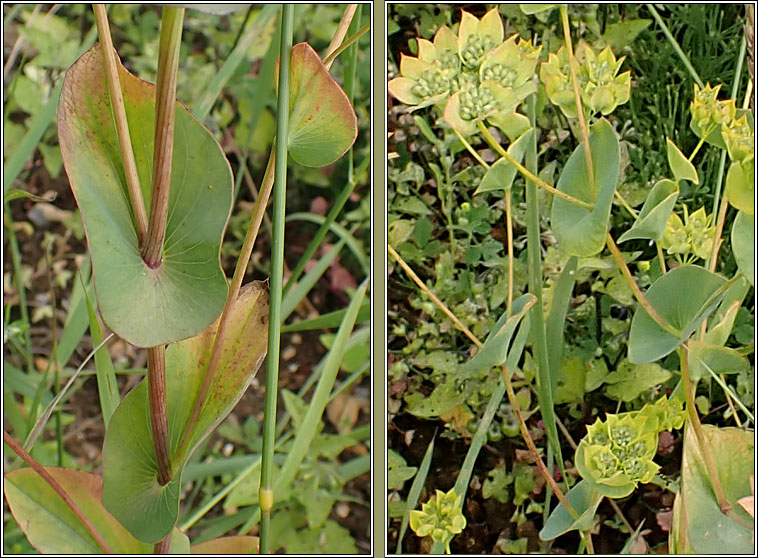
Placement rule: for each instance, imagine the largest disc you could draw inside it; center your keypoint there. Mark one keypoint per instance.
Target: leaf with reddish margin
(51, 526)
(181, 297)
(131, 491)
(322, 122)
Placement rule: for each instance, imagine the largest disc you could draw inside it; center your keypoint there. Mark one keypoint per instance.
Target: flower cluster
(720, 122)
(601, 90)
(472, 76)
(440, 517)
(617, 453)
(693, 236)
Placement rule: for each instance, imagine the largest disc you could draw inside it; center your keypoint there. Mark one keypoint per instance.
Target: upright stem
(163, 149)
(156, 387)
(163, 546)
(266, 492)
(339, 34)
(689, 394)
(47, 477)
(122, 126)
(578, 99)
(259, 210)
(534, 258)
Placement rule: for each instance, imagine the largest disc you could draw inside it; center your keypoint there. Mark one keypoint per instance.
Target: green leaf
(181, 297)
(585, 500)
(500, 175)
(397, 470)
(705, 359)
(131, 491)
(322, 122)
(495, 349)
(740, 186)
(629, 381)
(722, 322)
(651, 222)
(227, 545)
(680, 166)
(621, 34)
(698, 524)
(683, 308)
(14, 194)
(414, 493)
(581, 232)
(51, 526)
(743, 244)
(107, 386)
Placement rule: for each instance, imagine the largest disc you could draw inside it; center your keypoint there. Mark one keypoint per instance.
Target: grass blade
(107, 387)
(414, 493)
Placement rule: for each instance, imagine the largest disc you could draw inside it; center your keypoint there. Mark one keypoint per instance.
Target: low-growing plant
(159, 284)
(477, 97)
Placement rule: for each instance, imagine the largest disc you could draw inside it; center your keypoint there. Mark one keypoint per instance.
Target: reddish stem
(156, 385)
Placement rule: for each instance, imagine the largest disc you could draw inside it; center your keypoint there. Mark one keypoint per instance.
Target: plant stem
(534, 260)
(163, 546)
(578, 98)
(48, 478)
(156, 386)
(699, 433)
(661, 257)
(683, 57)
(528, 175)
(259, 210)
(266, 492)
(339, 34)
(122, 126)
(433, 297)
(638, 294)
(509, 237)
(163, 149)
(363, 30)
(717, 200)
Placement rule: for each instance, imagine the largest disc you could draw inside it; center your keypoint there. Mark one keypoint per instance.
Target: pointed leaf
(131, 491)
(51, 526)
(684, 308)
(743, 244)
(500, 175)
(581, 232)
(708, 359)
(585, 500)
(680, 166)
(651, 222)
(322, 122)
(179, 299)
(698, 523)
(495, 349)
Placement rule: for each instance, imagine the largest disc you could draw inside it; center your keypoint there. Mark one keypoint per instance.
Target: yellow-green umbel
(440, 518)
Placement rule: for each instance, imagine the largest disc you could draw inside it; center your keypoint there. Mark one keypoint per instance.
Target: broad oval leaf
(651, 222)
(680, 166)
(51, 526)
(181, 297)
(581, 232)
(740, 186)
(629, 381)
(500, 175)
(698, 525)
(131, 491)
(743, 244)
(584, 499)
(683, 297)
(322, 122)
